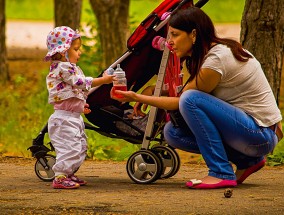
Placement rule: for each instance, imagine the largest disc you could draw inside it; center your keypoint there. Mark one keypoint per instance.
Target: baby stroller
(146, 56)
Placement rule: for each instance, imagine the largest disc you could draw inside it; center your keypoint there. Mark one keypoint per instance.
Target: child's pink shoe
(77, 180)
(62, 182)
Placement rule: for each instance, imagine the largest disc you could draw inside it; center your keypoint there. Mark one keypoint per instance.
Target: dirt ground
(109, 189)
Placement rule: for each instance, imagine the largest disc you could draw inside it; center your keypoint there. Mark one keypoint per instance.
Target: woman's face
(74, 51)
(181, 41)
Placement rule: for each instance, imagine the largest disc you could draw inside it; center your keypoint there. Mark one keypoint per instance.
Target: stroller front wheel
(144, 167)
(43, 167)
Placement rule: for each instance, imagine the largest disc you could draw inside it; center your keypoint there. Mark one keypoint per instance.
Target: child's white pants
(67, 135)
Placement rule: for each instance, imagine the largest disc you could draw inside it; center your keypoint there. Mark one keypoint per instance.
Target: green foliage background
(221, 11)
(25, 103)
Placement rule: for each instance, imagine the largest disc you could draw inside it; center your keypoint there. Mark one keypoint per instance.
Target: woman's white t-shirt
(244, 85)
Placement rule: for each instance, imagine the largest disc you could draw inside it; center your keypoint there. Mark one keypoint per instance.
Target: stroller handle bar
(198, 4)
(201, 3)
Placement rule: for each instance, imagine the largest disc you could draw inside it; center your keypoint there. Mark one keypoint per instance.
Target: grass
(277, 157)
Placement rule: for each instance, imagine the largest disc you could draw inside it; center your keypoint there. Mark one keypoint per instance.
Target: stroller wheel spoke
(140, 174)
(40, 167)
(51, 162)
(43, 167)
(139, 160)
(151, 167)
(50, 173)
(167, 162)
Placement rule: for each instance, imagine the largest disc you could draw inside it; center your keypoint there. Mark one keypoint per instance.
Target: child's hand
(138, 109)
(108, 78)
(105, 79)
(86, 109)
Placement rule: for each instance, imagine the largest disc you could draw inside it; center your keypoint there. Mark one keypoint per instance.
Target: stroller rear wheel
(43, 167)
(144, 167)
(170, 160)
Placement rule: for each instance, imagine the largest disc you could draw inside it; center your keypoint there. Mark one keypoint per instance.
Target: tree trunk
(113, 31)
(4, 74)
(68, 13)
(262, 33)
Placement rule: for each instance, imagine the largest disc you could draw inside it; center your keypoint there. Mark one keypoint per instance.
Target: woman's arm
(207, 80)
(167, 103)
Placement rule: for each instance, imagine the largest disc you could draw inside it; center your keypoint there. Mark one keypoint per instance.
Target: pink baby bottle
(120, 83)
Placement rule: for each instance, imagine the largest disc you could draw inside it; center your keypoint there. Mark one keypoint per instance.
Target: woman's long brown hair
(194, 18)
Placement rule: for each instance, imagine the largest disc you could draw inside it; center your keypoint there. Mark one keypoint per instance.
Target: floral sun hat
(59, 40)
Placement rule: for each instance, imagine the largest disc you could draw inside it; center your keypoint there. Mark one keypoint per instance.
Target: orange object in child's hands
(86, 110)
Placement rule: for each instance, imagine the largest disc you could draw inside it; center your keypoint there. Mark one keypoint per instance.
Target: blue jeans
(221, 132)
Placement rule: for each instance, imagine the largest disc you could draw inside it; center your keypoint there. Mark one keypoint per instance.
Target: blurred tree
(4, 74)
(68, 13)
(113, 27)
(262, 32)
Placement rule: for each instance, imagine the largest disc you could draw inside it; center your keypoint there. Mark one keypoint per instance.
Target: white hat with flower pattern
(59, 40)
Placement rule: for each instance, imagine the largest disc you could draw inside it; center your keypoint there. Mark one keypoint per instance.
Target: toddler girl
(68, 88)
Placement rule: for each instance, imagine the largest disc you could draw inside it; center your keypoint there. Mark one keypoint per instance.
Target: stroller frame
(146, 165)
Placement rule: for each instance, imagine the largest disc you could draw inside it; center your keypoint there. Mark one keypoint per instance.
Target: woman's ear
(193, 34)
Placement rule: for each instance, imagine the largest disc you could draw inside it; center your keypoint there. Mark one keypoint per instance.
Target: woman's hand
(124, 96)
(128, 96)
(167, 103)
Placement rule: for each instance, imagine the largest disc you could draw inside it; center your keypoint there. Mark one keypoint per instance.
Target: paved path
(21, 34)
(27, 34)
